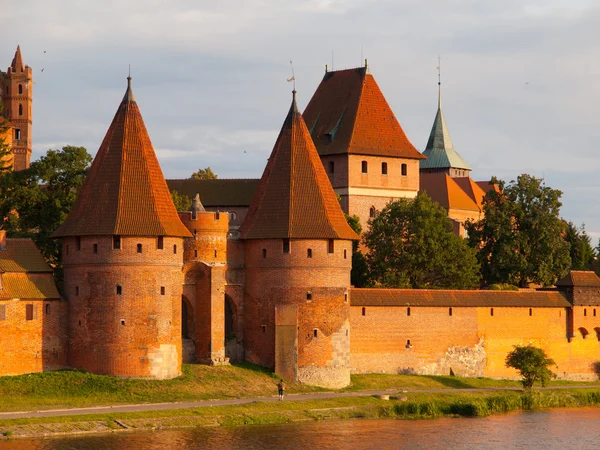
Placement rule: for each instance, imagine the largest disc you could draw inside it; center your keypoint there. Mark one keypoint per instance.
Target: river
(556, 429)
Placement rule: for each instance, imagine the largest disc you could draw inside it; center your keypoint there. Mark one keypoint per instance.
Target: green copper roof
(440, 152)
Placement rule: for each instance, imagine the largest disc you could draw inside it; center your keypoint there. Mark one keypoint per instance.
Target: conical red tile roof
(294, 198)
(125, 192)
(17, 62)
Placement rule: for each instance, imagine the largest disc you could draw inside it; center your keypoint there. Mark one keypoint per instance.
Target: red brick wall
(209, 243)
(134, 334)
(33, 345)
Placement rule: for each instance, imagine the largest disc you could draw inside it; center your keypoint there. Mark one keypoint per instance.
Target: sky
(519, 78)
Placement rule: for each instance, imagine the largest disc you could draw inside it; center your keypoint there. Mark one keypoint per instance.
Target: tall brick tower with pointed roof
(16, 87)
(298, 250)
(122, 248)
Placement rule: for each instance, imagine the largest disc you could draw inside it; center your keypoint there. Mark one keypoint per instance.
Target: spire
(294, 198)
(17, 62)
(439, 67)
(124, 192)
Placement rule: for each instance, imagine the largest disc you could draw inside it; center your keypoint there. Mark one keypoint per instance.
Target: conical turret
(17, 62)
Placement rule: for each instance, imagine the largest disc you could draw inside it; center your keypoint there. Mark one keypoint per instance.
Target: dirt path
(241, 401)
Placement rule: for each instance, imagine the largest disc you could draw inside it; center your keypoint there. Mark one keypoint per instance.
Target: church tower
(298, 256)
(17, 90)
(122, 249)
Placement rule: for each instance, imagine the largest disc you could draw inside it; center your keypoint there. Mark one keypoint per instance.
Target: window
(491, 311)
(117, 242)
(286, 246)
(315, 333)
(309, 295)
(76, 290)
(403, 170)
(232, 216)
(408, 311)
(160, 242)
(364, 166)
(345, 254)
(17, 133)
(95, 248)
(372, 212)
(383, 168)
(139, 248)
(20, 109)
(215, 253)
(330, 246)
(174, 249)
(408, 344)
(264, 328)
(123, 322)
(584, 312)
(345, 298)
(78, 243)
(450, 312)
(119, 289)
(195, 253)
(47, 308)
(30, 313)
(309, 253)
(264, 252)
(530, 312)
(2, 312)
(364, 311)
(331, 166)
(594, 312)
(20, 89)
(162, 290)
(217, 215)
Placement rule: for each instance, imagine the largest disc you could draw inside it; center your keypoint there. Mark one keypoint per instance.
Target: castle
(267, 278)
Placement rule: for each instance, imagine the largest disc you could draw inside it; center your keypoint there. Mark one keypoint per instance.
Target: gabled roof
(457, 298)
(28, 286)
(124, 192)
(294, 198)
(440, 151)
(472, 189)
(349, 114)
(17, 62)
(219, 192)
(21, 256)
(443, 189)
(583, 278)
(487, 186)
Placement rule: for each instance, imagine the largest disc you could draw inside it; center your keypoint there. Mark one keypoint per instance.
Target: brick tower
(17, 91)
(122, 249)
(298, 250)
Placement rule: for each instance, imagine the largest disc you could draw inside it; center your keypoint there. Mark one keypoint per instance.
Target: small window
(372, 212)
(47, 308)
(364, 167)
(119, 289)
(264, 328)
(162, 290)
(408, 344)
(403, 170)
(116, 242)
(345, 254)
(309, 295)
(309, 253)
(286, 246)
(215, 253)
(80, 323)
(345, 298)
(139, 248)
(174, 249)
(331, 167)
(30, 312)
(123, 322)
(76, 290)
(594, 312)
(530, 312)
(408, 311)
(491, 311)
(95, 248)
(78, 243)
(364, 311)
(2, 312)
(383, 168)
(217, 215)
(264, 252)
(330, 246)
(315, 332)
(195, 253)
(450, 312)
(17, 133)
(20, 89)
(20, 109)
(160, 243)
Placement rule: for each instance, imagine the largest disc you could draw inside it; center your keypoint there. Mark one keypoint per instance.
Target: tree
(359, 276)
(35, 201)
(6, 156)
(204, 174)
(520, 238)
(580, 247)
(411, 244)
(531, 363)
(182, 202)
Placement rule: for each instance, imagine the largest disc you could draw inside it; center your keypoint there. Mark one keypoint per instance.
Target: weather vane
(293, 76)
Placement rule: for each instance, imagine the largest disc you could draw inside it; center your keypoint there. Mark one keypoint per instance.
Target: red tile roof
(125, 192)
(427, 297)
(294, 198)
(21, 255)
(444, 190)
(349, 114)
(583, 278)
(472, 189)
(17, 62)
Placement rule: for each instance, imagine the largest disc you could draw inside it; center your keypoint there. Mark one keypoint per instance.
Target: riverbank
(402, 405)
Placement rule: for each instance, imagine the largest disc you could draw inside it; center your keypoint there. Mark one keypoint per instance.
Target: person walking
(281, 389)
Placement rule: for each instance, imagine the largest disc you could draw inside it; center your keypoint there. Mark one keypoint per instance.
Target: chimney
(2, 239)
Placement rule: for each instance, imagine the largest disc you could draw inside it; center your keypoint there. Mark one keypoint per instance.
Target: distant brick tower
(298, 252)
(17, 91)
(122, 249)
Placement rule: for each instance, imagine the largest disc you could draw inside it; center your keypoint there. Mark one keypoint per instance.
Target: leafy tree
(182, 201)
(531, 363)
(520, 239)
(411, 244)
(35, 201)
(204, 174)
(581, 251)
(359, 276)
(6, 157)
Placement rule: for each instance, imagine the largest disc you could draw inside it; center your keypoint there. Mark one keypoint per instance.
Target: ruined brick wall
(124, 305)
(318, 286)
(34, 345)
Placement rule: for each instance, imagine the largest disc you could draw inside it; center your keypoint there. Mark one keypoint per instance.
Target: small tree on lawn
(532, 363)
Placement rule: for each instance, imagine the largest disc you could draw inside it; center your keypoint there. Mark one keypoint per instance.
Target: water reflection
(557, 429)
